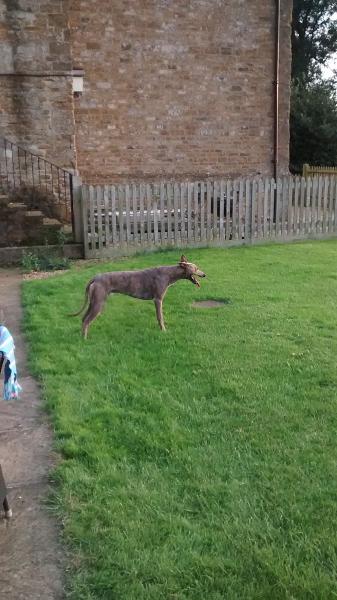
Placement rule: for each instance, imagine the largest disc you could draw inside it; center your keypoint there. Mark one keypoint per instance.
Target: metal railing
(21, 169)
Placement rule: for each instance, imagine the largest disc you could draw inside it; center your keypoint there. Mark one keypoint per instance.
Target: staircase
(20, 226)
(35, 198)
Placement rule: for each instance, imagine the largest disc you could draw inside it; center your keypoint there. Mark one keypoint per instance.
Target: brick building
(172, 89)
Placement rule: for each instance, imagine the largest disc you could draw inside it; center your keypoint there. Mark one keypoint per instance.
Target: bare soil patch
(210, 303)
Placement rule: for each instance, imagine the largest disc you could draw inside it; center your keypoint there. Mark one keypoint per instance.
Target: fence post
(305, 172)
(77, 208)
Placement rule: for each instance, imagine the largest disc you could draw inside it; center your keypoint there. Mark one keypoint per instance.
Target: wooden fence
(309, 171)
(121, 219)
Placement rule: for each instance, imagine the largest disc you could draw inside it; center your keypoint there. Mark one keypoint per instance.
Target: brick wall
(172, 89)
(36, 92)
(178, 89)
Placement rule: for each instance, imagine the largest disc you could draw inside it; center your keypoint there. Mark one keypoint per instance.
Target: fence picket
(234, 210)
(240, 211)
(162, 219)
(134, 226)
(148, 209)
(272, 208)
(202, 212)
(331, 206)
(155, 214)
(266, 230)
(302, 192)
(290, 184)
(253, 219)
(106, 216)
(182, 213)
(335, 204)
(141, 214)
(112, 196)
(314, 211)
(260, 197)
(284, 211)
(196, 212)
(99, 199)
(319, 205)
(127, 215)
(169, 212)
(317, 202)
(121, 215)
(176, 213)
(296, 207)
(228, 210)
(307, 206)
(245, 210)
(222, 210)
(92, 201)
(215, 227)
(189, 212)
(85, 219)
(278, 210)
(324, 204)
(311, 214)
(208, 211)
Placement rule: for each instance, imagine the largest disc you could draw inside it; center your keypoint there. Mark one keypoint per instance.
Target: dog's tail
(86, 294)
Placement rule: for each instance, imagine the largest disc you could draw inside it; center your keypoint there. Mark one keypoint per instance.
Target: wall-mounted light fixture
(77, 75)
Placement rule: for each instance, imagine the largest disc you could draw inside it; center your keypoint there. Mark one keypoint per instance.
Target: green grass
(198, 463)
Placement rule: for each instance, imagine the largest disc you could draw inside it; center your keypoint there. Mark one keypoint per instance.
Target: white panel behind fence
(123, 218)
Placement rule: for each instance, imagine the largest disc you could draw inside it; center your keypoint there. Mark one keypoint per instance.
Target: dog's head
(191, 270)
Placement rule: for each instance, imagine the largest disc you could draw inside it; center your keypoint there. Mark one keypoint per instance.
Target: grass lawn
(199, 463)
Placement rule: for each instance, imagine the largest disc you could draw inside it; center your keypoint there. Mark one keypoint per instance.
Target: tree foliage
(313, 118)
(313, 125)
(314, 37)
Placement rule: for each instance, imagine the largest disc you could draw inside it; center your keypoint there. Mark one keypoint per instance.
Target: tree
(314, 37)
(313, 125)
(313, 114)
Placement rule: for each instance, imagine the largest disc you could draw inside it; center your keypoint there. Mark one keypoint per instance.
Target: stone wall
(179, 90)
(36, 90)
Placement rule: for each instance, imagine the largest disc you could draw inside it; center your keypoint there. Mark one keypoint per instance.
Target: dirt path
(31, 557)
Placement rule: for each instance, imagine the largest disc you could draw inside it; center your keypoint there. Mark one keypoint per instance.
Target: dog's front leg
(159, 310)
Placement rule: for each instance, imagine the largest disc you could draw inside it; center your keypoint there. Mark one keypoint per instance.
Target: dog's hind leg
(91, 314)
(159, 310)
(97, 296)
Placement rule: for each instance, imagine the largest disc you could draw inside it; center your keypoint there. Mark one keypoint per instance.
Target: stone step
(51, 222)
(17, 206)
(33, 214)
(67, 229)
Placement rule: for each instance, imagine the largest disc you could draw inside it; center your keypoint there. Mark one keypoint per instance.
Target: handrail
(7, 141)
(22, 168)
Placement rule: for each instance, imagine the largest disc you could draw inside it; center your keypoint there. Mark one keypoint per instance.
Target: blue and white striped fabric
(11, 386)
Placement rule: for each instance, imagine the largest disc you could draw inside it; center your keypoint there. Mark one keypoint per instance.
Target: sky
(330, 68)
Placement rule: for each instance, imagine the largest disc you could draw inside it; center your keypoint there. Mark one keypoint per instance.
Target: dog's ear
(183, 259)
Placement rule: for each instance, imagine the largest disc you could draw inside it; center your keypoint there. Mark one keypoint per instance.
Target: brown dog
(148, 284)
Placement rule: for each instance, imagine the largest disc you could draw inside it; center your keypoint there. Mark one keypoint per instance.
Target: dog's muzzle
(194, 278)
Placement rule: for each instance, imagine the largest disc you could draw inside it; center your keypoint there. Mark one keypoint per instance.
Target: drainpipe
(276, 86)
